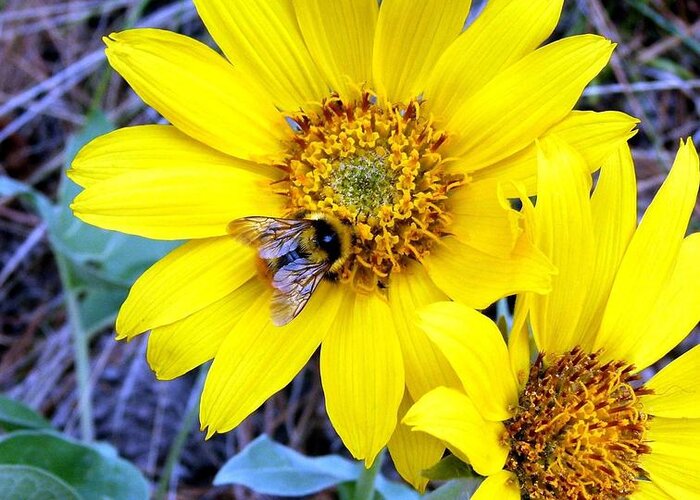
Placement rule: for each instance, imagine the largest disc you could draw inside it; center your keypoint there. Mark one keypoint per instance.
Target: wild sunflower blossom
(580, 422)
(408, 131)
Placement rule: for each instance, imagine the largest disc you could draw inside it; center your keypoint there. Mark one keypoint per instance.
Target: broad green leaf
(12, 187)
(449, 467)
(391, 490)
(22, 482)
(15, 415)
(92, 472)
(457, 489)
(272, 469)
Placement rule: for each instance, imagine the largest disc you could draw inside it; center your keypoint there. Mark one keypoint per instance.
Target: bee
(299, 253)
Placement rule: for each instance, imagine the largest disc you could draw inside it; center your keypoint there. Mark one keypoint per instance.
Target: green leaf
(449, 467)
(15, 415)
(272, 469)
(21, 482)
(391, 490)
(457, 489)
(92, 472)
(39, 203)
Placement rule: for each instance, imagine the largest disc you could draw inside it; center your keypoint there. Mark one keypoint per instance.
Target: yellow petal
(594, 135)
(362, 374)
(614, 213)
(676, 388)
(258, 359)
(564, 234)
(483, 218)
(146, 147)
(519, 341)
(263, 39)
(426, 367)
(451, 417)
(183, 282)
(502, 34)
(411, 35)
(678, 477)
(177, 203)
(524, 100)
(502, 485)
(340, 35)
(177, 348)
(649, 262)
(473, 345)
(199, 92)
(413, 452)
(478, 279)
(675, 437)
(646, 490)
(677, 309)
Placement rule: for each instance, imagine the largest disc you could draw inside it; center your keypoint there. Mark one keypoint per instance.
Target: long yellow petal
(564, 232)
(262, 37)
(483, 219)
(474, 347)
(362, 374)
(649, 262)
(177, 203)
(676, 388)
(524, 101)
(183, 282)
(146, 147)
(675, 437)
(452, 417)
(258, 359)
(340, 36)
(677, 477)
(676, 311)
(413, 452)
(411, 35)
(177, 348)
(502, 34)
(595, 135)
(199, 92)
(646, 490)
(614, 213)
(519, 341)
(502, 485)
(478, 279)
(426, 367)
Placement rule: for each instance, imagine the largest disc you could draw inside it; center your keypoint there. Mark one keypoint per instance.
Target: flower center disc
(376, 168)
(579, 430)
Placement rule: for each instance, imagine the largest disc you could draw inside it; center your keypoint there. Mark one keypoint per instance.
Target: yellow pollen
(579, 430)
(378, 169)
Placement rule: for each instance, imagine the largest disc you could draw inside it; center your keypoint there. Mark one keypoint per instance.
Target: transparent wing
(272, 237)
(294, 283)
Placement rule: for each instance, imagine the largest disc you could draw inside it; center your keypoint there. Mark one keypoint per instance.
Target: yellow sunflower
(390, 122)
(579, 422)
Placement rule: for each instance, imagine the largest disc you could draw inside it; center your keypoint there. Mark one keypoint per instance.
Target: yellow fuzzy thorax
(378, 170)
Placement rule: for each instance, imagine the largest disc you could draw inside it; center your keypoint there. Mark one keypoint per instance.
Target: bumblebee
(298, 253)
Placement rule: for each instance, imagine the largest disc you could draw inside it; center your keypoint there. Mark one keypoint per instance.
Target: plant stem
(81, 352)
(364, 487)
(181, 438)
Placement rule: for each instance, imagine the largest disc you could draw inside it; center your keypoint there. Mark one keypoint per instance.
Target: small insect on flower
(299, 253)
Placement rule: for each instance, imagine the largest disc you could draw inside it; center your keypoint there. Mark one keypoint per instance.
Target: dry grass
(52, 74)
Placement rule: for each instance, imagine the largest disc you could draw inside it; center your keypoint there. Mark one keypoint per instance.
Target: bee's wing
(294, 284)
(272, 237)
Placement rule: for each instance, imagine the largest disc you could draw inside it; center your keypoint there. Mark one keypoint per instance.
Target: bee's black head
(327, 239)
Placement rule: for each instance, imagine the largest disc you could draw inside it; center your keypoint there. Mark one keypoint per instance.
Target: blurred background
(61, 282)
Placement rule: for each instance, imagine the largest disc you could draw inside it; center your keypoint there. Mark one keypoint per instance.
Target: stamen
(377, 168)
(579, 430)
